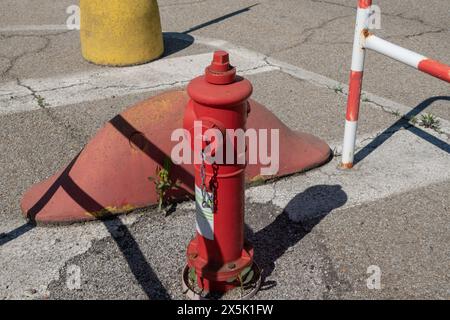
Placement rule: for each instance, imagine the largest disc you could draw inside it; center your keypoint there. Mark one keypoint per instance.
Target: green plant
(192, 276)
(41, 101)
(164, 183)
(338, 88)
(413, 120)
(244, 277)
(430, 121)
(396, 113)
(364, 98)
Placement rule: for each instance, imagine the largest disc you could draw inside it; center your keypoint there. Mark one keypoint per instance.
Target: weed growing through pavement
(164, 183)
(243, 278)
(413, 120)
(41, 101)
(430, 121)
(338, 88)
(397, 113)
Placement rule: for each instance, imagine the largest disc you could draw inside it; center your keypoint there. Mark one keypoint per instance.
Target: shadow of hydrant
(299, 217)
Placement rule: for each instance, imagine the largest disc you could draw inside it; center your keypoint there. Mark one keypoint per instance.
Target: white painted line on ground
(34, 261)
(374, 179)
(104, 83)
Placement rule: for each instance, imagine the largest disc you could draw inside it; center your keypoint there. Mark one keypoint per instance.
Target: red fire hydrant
(219, 252)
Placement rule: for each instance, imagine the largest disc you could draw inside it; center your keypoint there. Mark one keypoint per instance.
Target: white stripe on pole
(362, 21)
(394, 51)
(348, 148)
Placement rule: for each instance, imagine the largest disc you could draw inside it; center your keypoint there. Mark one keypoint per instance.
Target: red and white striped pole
(356, 76)
(408, 57)
(365, 40)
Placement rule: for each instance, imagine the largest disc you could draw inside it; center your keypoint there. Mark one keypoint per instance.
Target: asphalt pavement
(317, 235)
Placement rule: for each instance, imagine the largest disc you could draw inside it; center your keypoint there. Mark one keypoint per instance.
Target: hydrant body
(218, 101)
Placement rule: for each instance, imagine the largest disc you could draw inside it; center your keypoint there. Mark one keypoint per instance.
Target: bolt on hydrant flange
(218, 254)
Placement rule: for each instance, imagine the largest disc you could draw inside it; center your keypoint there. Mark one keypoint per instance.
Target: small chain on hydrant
(208, 200)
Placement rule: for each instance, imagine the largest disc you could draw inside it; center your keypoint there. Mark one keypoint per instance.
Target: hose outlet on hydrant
(218, 258)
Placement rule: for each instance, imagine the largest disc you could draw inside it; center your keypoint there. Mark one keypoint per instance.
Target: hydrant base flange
(218, 278)
(193, 294)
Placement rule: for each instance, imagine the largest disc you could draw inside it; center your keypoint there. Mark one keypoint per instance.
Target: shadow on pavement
(220, 19)
(136, 260)
(14, 234)
(404, 124)
(174, 42)
(139, 266)
(307, 209)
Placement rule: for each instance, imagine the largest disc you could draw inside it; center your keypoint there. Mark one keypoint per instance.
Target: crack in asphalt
(419, 34)
(13, 60)
(399, 36)
(400, 15)
(63, 87)
(73, 133)
(308, 33)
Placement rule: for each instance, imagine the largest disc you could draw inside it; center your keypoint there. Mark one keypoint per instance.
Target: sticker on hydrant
(204, 216)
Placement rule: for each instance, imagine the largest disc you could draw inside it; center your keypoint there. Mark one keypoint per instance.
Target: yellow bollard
(120, 33)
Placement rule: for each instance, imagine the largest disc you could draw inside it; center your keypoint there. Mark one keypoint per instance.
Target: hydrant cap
(220, 71)
(220, 86)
